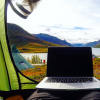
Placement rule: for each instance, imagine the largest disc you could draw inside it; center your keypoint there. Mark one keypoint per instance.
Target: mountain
(78, 45)
(19, 36)
(92, 44)
(25, 41)
(97, 46)
(52, 39)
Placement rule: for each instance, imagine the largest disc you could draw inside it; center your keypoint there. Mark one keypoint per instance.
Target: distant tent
(10, 77)
(20, 62)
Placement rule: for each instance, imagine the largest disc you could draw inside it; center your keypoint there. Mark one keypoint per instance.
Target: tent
(10, 77)
(20, 62)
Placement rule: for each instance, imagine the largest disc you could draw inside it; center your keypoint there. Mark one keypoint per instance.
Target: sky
(76, 21)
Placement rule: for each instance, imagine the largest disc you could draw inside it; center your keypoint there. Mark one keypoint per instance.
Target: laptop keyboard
(69, 80)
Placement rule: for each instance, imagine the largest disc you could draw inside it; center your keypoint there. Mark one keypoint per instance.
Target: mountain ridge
(52, 39)
(95, 44)
(92, 44)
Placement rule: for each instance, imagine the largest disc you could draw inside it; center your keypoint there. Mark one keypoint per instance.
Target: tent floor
(24, 93)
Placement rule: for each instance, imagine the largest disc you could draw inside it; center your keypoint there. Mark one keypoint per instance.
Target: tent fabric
(10, 77)
(20, 62)
(14, 49)
(10, 68)
(31, 86)
(4, 84)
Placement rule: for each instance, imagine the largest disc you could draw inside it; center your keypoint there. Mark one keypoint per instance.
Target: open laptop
(69, 68)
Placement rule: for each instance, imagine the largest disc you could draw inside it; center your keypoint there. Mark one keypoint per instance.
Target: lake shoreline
(43, 56)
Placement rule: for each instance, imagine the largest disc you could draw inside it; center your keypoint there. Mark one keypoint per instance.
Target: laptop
(69, 68)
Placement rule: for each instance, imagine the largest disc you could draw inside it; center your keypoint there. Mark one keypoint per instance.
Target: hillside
(52, 39)
(19, 36)
(97, 46)
(92, 44)
(25, 41)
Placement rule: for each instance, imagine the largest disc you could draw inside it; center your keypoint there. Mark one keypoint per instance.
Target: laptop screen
(69, 62)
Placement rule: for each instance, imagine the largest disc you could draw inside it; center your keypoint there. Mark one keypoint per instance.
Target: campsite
(29, 47)
(33, 32)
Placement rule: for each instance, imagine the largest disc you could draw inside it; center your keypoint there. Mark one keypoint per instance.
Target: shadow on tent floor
(68, 94)
(24, 93)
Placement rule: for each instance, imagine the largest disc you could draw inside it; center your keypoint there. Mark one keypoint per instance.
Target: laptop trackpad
(71, 86)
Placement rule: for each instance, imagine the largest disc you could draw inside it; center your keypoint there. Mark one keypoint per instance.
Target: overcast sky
(76, 21)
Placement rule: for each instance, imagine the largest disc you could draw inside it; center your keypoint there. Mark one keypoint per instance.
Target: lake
(96, 51)
(43, 56)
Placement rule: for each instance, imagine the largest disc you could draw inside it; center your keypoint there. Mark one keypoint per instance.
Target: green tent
(10, 77)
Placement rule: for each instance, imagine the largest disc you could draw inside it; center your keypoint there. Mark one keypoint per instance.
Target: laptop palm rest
(93, 85)
(71, 86)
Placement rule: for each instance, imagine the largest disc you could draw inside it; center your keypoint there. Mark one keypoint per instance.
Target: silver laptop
(69, 68)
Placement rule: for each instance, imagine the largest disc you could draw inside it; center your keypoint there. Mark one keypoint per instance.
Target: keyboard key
(69, 80)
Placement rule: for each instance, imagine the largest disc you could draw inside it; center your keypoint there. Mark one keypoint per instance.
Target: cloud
(78, 40)
(48, 29)
(85, 33)
(79, 28)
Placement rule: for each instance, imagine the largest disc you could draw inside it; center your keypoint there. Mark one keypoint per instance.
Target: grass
(31, 50)
(35, 47)
(37, 73)
(96, 68)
